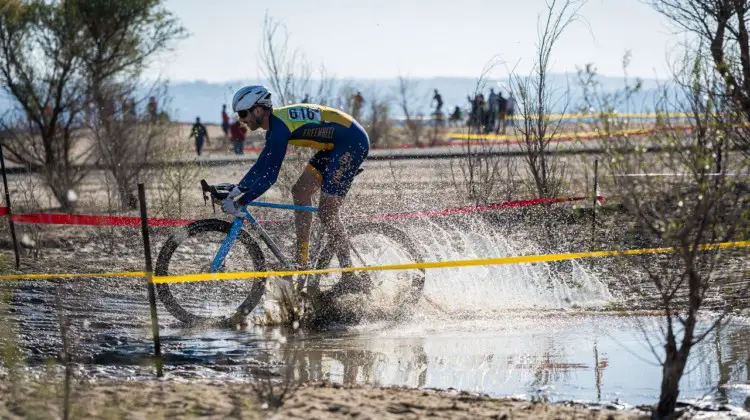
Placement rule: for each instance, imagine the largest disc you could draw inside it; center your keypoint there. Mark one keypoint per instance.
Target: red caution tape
(91, 220)
(75, 219)
(464, 210)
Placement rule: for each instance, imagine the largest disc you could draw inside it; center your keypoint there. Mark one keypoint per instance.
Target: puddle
(501, 330)
(592, 358)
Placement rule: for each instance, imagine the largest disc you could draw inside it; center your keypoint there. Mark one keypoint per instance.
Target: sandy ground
(158, 400)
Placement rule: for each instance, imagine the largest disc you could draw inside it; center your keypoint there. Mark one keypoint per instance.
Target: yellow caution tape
(70, 276)
(412, 266)
(610, 114)
(572, 134)
(437, 264)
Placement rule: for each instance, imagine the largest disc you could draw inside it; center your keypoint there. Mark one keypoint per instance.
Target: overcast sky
(418, 38)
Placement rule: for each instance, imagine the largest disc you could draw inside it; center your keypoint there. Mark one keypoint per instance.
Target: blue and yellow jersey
(315, 126)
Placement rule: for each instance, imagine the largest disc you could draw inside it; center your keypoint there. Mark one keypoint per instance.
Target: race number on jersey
(304, 114)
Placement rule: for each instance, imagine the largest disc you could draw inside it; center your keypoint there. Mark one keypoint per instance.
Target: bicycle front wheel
(393, 293)
(191, 250)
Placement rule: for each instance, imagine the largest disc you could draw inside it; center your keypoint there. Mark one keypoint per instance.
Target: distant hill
(204, 99)
(191, 99)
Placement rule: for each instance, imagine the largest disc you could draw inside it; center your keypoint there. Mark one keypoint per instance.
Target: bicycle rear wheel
(394, 293)
(191, 251)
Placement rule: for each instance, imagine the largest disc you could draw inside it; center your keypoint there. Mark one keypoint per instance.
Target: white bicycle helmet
(249, 96)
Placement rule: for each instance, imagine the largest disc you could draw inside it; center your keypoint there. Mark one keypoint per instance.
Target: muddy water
(555, 355)
(504, 330)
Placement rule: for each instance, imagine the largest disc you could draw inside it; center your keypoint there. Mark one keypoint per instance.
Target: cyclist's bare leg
(302, 192)
(328, 211)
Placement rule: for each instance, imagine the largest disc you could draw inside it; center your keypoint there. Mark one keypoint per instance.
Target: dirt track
(158, 400)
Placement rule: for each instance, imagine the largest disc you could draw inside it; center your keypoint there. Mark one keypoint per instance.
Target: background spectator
(502, 104)
(438, 102)
(225, 120)
(357, 101)
(455, 117)
(152, 108)
(492, 107)
(238, 137)
(510, 109)
(200, 133)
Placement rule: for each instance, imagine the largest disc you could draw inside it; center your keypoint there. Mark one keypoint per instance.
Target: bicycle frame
(237, 225)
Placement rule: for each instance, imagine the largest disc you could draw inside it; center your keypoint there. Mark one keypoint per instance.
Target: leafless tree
(120, 41)
(176, 181)
(326, 85)
(481, 172)
(59, 61)
(604, 106)
(378, 122)
(698, 207)
(537, 98)
(408, 102)
(40, 60)
(128, 145)
(286, 70)
(722, 34)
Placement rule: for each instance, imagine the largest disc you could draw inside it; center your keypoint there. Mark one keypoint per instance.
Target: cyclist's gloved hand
(229, 206)
(235, 192)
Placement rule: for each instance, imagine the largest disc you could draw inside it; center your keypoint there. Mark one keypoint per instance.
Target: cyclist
(342, 146)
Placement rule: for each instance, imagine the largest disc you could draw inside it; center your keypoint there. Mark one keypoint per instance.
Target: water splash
(546, 286)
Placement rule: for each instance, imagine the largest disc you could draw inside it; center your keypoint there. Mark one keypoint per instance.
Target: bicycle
(237, 298)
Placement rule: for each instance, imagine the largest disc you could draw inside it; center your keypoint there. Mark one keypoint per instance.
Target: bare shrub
(482, 174)
(408, 101)
(288, 71)
(377, 122)
(603, 107)
(41, 42)
(537, 99)
(29, 197)
(695, 208)
(173, 183)
(127, 145)
(80, 49)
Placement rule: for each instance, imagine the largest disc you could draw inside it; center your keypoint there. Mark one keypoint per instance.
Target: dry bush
(288, 72)
(377, 121)
(482, 175)
(173, 181)
(408, 101)
(81, 50)
(536, 99)
(702, 203)
(28, 198)
(128, 145)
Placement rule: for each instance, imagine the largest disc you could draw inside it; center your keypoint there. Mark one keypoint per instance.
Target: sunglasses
(243, 113)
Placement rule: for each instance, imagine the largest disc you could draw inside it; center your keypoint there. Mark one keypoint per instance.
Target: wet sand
(167, 399)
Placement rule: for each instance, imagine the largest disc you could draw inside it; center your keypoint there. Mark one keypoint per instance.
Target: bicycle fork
(226, 245)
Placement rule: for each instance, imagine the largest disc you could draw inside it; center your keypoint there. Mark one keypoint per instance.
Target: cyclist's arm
(265, 171)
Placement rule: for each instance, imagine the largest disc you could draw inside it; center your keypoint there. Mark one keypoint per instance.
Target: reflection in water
(556, 358)
(732, 361)
(542, 354)
(344, 362)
